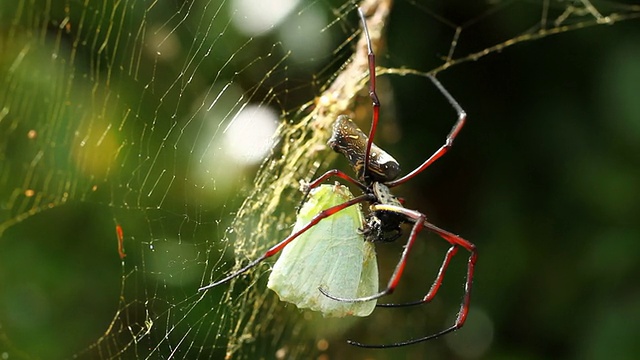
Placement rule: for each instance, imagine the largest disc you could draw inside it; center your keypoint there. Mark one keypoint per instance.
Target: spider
(377, 172)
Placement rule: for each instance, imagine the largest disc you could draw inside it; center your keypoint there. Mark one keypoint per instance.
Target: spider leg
(306, 187)
(436, 284)
(462, 117)
(279, 246)
(372, 93)
(403, 343)
(331, 173)
(420, 220)
(455, 241)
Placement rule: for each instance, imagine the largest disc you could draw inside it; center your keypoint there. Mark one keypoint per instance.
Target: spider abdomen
(350, 141)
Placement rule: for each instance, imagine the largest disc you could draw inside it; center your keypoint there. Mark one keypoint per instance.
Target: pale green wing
(332, 254)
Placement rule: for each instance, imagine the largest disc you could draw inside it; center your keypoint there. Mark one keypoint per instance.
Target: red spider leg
(279, 246)
(334, 172)
(372, 93)
(436, 283)
(420, 220)
(454, 240)
(462, 117)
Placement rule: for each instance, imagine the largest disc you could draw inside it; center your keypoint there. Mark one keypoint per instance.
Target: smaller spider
(377, 172)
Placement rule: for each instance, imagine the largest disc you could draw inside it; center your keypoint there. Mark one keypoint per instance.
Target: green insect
(332, 255)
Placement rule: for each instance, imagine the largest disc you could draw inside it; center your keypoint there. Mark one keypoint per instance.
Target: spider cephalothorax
(383, 225)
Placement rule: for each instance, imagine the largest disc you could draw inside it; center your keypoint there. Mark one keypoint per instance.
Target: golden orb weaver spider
(377, 172)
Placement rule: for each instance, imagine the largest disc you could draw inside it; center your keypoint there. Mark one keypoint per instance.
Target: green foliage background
(544, 179)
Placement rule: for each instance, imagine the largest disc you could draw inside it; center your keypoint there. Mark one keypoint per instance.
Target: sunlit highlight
(255, 17)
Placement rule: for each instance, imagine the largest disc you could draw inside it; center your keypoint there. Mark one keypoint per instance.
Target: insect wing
(332, 254)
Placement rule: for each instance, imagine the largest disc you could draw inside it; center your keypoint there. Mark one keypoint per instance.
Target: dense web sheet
(148, 148)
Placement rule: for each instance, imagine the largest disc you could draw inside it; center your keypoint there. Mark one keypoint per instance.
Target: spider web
(124, 116)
